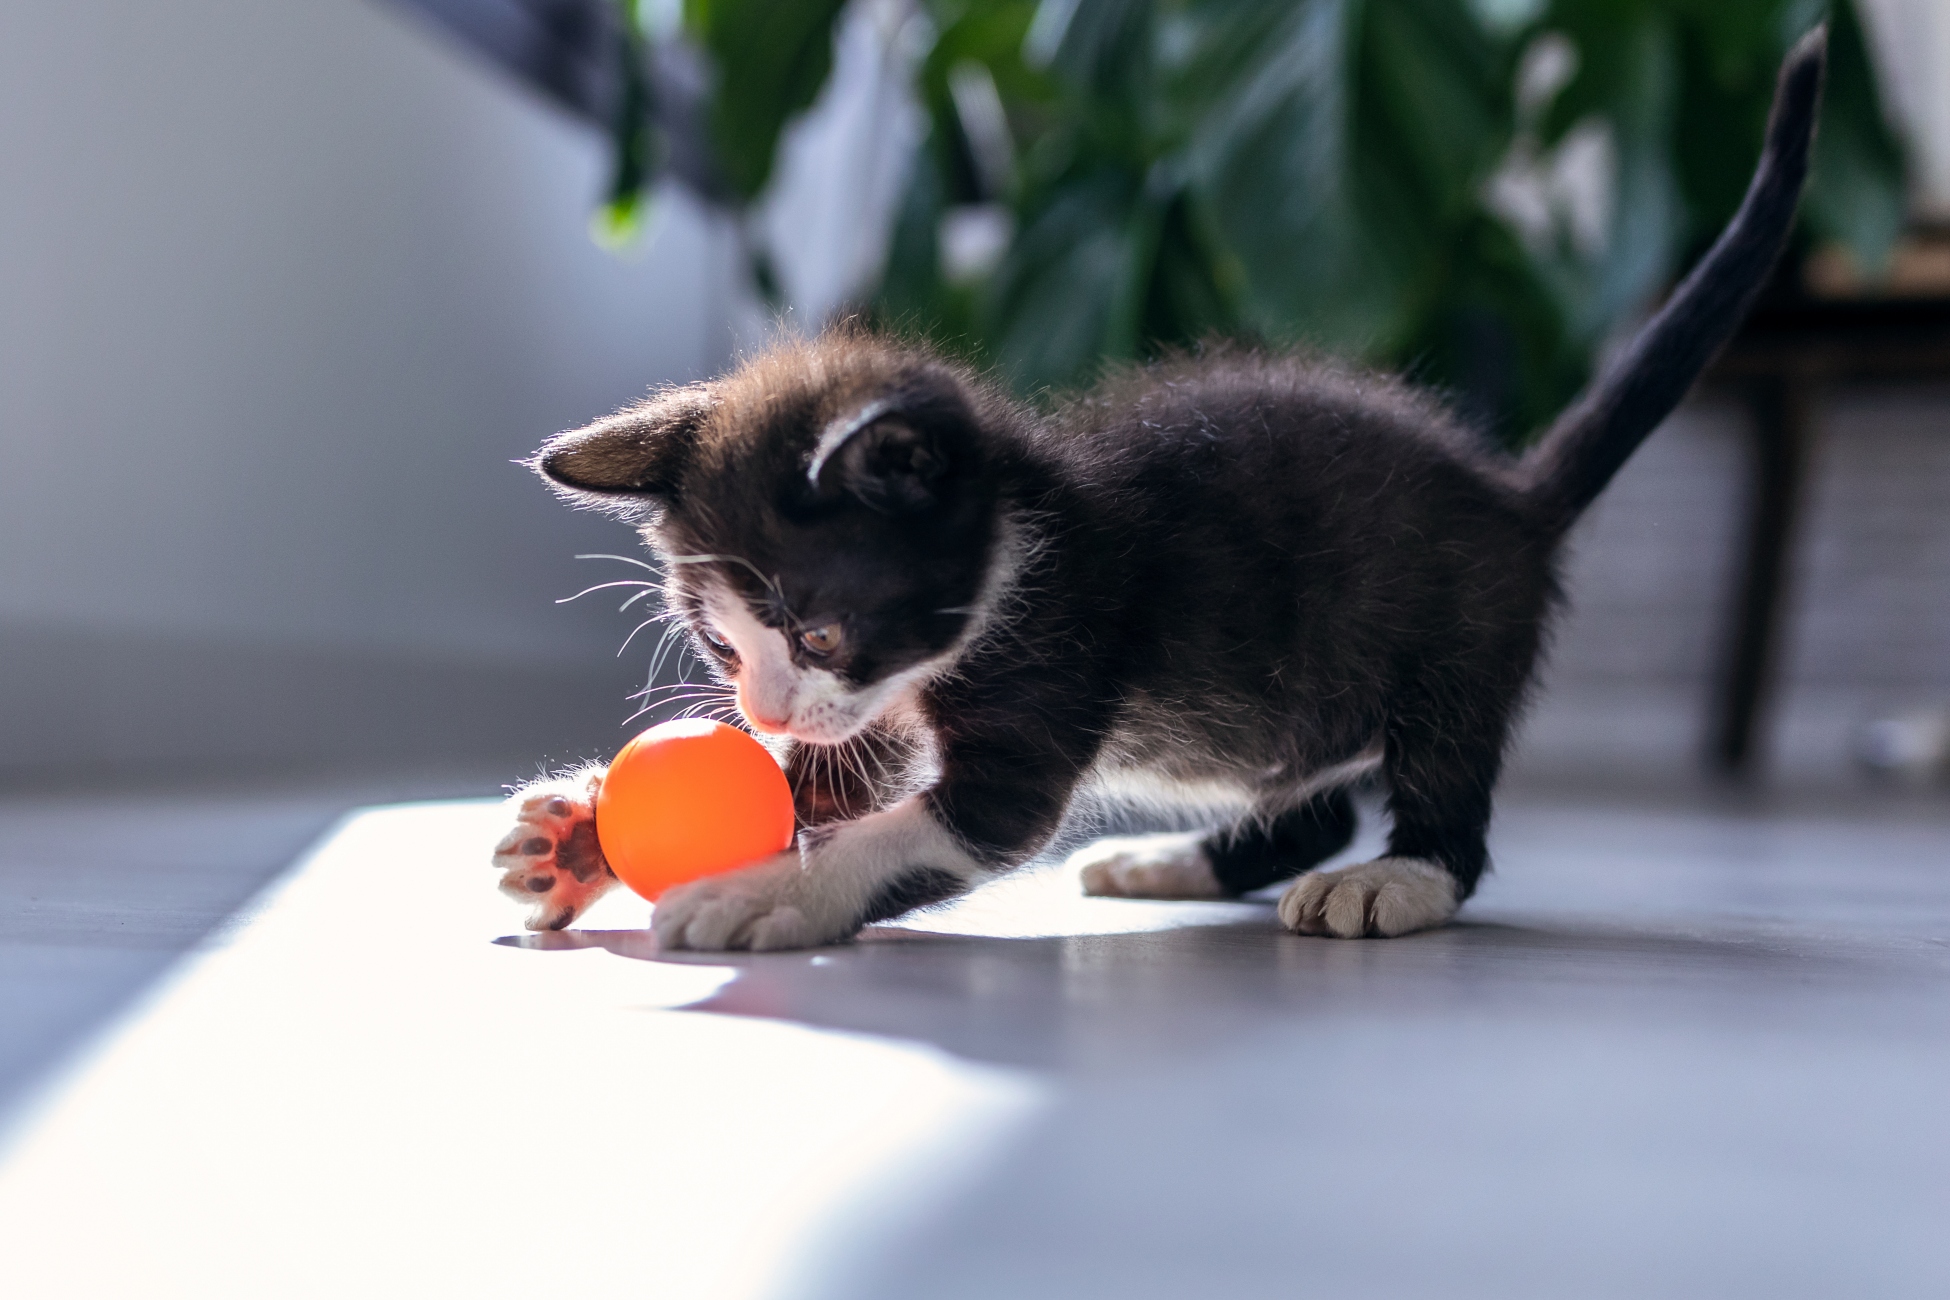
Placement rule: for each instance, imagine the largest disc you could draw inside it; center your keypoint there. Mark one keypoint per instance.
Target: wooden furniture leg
(1781, 433)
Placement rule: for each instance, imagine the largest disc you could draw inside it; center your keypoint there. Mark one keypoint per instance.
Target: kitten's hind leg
(1441, 765)
(1256, 854)
(1223, 864)
(1171, 865)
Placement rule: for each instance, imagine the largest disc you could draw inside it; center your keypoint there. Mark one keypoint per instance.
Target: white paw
(1386, 897)
(550, 857)
(764, 907)
(1148, 866)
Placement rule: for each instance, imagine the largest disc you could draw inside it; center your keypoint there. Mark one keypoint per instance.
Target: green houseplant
(1381, 178)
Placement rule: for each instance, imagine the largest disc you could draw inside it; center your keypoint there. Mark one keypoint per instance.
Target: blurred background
(285, 289)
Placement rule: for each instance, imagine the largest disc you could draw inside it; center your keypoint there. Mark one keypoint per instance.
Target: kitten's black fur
(1256, 569)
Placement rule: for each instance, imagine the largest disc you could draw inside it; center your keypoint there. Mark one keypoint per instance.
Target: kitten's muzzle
(757, 717)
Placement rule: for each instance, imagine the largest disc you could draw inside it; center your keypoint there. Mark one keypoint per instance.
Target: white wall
(283, 288)
(1911, 40)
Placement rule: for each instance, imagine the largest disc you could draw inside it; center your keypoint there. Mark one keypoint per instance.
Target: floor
(1675, 1047)
(105, 887)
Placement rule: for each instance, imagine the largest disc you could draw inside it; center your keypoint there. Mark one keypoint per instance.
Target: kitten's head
(828, 514)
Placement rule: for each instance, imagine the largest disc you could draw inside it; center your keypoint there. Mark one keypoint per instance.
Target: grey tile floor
(1676, 1047)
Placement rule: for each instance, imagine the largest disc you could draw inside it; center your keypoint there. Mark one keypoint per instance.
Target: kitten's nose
(759, 721)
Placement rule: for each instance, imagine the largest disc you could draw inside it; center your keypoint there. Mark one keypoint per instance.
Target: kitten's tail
(1591, 440)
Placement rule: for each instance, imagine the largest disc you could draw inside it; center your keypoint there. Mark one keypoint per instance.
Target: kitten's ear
(639, 451)
(889, 463)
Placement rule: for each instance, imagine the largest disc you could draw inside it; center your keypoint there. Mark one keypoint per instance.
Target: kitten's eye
(718, 643)
(822, 640)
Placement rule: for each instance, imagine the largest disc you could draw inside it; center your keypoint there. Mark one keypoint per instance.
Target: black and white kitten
(1233, 580)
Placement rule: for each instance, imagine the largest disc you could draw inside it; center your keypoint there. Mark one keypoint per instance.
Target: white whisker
(698, 697)
(641, 564)
(649, 589)
(632, 636)
(605, 586)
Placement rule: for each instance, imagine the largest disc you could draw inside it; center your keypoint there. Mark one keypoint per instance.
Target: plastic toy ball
(688, 799)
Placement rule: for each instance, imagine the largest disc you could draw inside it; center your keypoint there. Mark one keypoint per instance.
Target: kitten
(1235, 579)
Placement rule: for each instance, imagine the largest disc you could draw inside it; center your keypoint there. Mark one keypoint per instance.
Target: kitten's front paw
(764, 907)
(1147, 866)
(1386, 897)
(551, 858)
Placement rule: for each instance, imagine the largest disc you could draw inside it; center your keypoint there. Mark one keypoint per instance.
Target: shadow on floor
(1129, 999)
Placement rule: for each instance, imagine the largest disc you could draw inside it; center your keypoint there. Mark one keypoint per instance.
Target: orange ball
(688, 799)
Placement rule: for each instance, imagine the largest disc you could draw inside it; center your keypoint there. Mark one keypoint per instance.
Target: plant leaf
(771, 58)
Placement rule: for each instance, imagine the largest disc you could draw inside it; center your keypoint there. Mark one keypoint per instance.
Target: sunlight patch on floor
(355, 1092)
